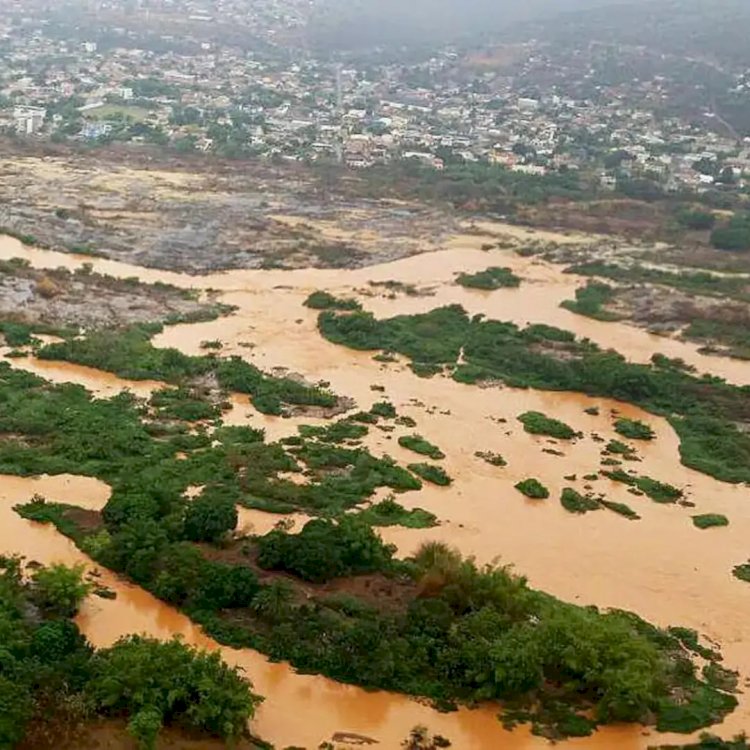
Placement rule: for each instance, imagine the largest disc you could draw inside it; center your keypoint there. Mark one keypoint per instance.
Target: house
(29, 120)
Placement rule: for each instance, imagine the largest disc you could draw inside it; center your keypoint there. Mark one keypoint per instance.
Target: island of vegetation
(707, 413)
(419, 445)
(536, 423)
(533, 489)
(52, 682)
(490, 279)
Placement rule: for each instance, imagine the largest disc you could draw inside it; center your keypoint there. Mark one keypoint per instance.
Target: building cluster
(223, 97)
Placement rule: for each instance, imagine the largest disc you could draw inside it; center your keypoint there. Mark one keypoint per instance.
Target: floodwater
(660, 567)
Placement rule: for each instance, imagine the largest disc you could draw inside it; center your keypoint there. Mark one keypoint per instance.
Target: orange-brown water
(661, 567)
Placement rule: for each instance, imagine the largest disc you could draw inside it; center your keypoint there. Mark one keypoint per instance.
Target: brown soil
(87, 521)
(197, 214)
(60, 298)
(375, 589)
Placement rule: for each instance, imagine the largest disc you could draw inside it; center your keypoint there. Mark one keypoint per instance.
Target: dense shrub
(490, 279)
(537, 423)
(209, 518)
(709, 520)
(419, 445)
(634, 429)
(326, 301)
(533, 488)
(325, 549)
(430, 473)
(575, 502)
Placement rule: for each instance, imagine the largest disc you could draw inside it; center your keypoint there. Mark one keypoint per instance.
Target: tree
(272, 601)
(180, 685)
(60, 590)
(209, 517)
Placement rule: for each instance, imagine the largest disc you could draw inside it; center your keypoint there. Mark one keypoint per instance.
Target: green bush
(181, 685)
(209, 518)
(533, 488)
(742, 571)
(537, 423)
(709, 520)
(325, 549)
(490, 279)
(430, 473)
(621, 509)
(633, 429)
(734, 235)
(575, 502)
(419, 445)
(60, 590)
(590, 301)
(326, 301)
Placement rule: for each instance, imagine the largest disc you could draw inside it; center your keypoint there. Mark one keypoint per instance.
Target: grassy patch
(129, 354)
(419, 445)
(590, 301)
(490, 279)
(326, 301)
(659, 492)
(621, 509)
(703, 410)
(709, 520)
(742, 572)
(533, 488)
(536, 423)
(430, 473)
(575, 502)
(634, 429)
(390, 513)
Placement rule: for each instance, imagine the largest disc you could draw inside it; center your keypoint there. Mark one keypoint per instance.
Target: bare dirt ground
(197, 214)
(87, 300)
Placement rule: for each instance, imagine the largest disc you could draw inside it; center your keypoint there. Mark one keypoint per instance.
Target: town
(198, 89)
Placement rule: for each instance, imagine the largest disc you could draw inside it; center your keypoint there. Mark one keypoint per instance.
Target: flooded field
(661, 567)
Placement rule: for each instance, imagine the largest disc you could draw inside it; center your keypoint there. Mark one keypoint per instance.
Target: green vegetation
(325, 549)
(742, 571)
(533, 488)
(708, 520)
(621, 509)
(696, 219)
(390, 513)
(734, 235)
(430, 473)
(696, 282)
(734, 335)
(419, 445)
(129, 353)
(710, 742)
(634, 429)
(704, 411)
(493, 459)
(575, 502)
(618, 448)
(590, 301)
(58, 590)
(384, 409)
(51, 679)
(660, 492)
(326, 301)
(490, 279)
(536, 423)
(541, 652)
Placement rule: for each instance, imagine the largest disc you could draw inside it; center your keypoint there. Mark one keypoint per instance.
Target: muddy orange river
(661, 567)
